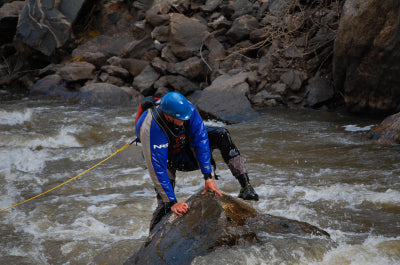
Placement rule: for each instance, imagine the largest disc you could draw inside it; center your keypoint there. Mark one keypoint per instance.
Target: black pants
(219, 138)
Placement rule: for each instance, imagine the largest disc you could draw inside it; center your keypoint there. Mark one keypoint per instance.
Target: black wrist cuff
(168, 205)
(207, 176)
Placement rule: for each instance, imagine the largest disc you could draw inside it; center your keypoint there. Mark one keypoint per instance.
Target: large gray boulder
(367, 54)
(191, 68)
(319, 91)
(210, 223)
(144, 81)
(103, 94)
(52, 87)
(98, 50)
(76, 71)
(226, 99)
(134, 66)
(241, 28)
(186, 35)
(45, 25)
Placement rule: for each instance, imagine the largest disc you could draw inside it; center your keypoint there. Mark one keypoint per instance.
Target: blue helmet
(176, 105)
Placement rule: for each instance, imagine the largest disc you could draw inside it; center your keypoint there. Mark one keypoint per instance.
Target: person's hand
(210, 185)
(180, 208)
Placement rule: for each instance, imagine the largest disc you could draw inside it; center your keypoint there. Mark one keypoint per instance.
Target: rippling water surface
(310, 166)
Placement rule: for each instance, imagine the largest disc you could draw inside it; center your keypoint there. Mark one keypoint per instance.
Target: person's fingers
(184, 207)
(211, 185)
(180, 208)
(218, 192)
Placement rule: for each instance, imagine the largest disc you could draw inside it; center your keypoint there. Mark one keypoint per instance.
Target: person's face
(175, 121)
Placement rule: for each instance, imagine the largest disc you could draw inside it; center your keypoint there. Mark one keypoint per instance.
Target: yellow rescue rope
(71, 179)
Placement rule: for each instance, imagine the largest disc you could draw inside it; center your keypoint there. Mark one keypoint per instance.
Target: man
(174, 137)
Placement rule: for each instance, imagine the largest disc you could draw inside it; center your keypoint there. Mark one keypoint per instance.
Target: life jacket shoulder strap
(160, 120)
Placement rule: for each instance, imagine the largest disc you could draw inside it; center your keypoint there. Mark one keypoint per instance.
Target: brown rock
(134, 66)
(76, 71)
(241, 28)
(186, 35)
(212, 222)
(388, 132)
(191, 68)
(225, 99)
(367, 54)
(145, 80)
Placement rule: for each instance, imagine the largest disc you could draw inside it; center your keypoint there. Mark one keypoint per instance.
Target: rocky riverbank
(229, 57)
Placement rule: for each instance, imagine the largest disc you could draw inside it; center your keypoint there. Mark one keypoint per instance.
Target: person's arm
(199, 142)
(155, 151)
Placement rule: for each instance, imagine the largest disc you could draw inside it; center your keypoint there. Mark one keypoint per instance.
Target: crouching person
(174, 137)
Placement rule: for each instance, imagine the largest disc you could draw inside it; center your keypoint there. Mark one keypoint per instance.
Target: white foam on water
(67, 248)
(100, 210)
(15, 117)
(375, 250)
(65, 138)
(214, 123)
(350, 194)
(82, 228)
(134, 180)
(96, 199)
(292, 211)
(132, 170)
(34, 252)
(94, 152)
(123, 120)
(9, 191)
(356, 128)
(144, 193)
(88, 226)
(23, 159)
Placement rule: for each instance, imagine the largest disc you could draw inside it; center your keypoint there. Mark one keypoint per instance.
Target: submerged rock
(212, 222)
(388, 132)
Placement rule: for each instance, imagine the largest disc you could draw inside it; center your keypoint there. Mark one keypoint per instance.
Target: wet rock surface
(213, 222)
(387, 132)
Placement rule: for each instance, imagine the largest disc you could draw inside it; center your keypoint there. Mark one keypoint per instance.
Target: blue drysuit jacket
(155, 149)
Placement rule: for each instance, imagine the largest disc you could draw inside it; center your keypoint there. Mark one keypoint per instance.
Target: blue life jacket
(160, 148)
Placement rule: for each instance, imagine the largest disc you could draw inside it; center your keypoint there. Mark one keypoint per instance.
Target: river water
(312, 166)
